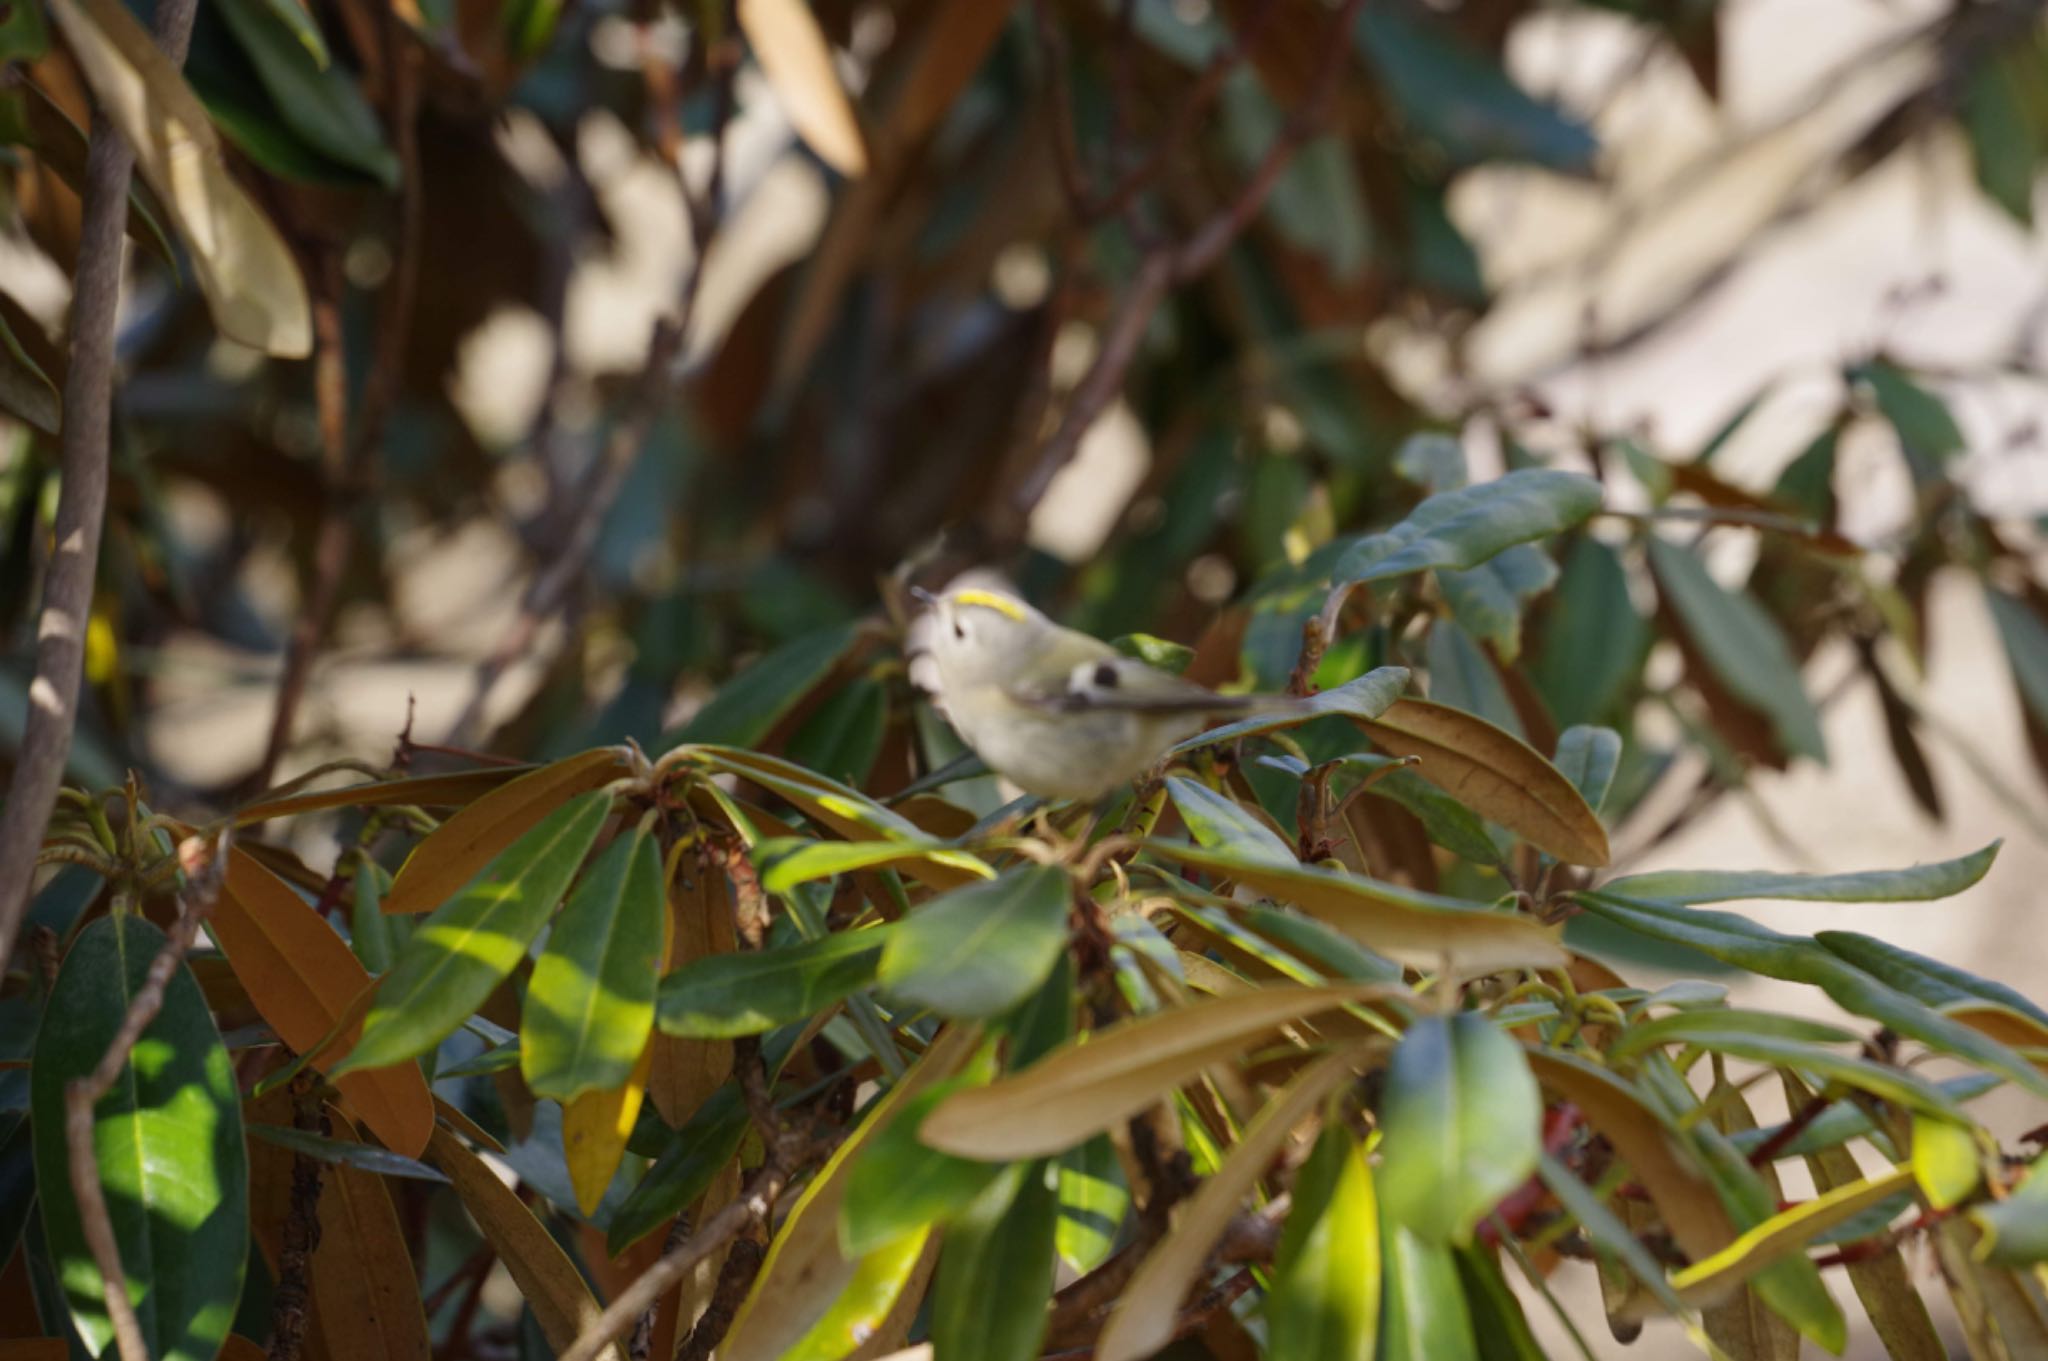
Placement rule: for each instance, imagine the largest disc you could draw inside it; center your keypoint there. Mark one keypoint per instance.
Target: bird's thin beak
(923, 597)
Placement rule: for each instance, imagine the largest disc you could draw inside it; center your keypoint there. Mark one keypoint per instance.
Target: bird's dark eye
(959, 629)
(1105, 676)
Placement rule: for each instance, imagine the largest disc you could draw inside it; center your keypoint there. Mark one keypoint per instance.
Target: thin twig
(751, 1208)
(204, 875)
(82, 503)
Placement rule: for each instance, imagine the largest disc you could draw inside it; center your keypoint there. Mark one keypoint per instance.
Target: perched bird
(1052, 710)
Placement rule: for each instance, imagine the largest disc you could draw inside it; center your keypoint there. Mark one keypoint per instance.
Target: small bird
(1052, 710)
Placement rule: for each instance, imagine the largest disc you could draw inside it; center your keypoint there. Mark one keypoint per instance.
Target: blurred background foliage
(943, 321)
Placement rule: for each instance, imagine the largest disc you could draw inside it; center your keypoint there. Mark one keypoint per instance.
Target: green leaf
(1683, 1027)
(1365, 698)
(1093, 1201)
(1500, 1325)
(1947, 1164)
(1594, 641)
(1489, 598)
(1919, 883)
(750, 705)
(1741, 645)
(785, 862)
(1333, 953)
(590, 1003)
(168, 1140)
(1423, 1313)
(897, 1186)
(996, 1269)
(373, 936)
(1926, 980)
(1891, 1084)
(471, 942)
(2016, 1229)
(1447, 822)
(1461, 676)
(1742, 943)
(23, 35)
(1589, 756)
(2005, 135)
(864, 1302)
(697, 1152)
(2026, 648)
(1325, 1300)
(1928, 435)
(1432, 460)
(346, 1153)
(1160, 653)
(1844, 1120)
(1461, 529)
(722, 996)
(1220, 823)
(980, 950)
(1459, 98)
(25, 389)
(1461, 1125)
(321, 103)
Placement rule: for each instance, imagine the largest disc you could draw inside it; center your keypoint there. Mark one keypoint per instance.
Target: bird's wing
(1123, 684)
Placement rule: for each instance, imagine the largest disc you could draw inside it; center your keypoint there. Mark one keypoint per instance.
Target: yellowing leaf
(1083, 1088)
(595, 1127)
(303, 980)
(451, 856)
(547, 1279)
(250, 279)
(1496, 775)
(1150, 1305)
(805, 1271)
(798, 63)
(1784, 1234)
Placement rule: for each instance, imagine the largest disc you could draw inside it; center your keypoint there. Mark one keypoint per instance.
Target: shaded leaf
(752, 703)
(899, 1186)
(321, 103)
(1364, 698)
(2015, 1229)
(1221, 824)
(1595, 641)
(1742, 645)
(1093, 1199)
(745, 993)
(1463, 528)
(996, 1269)
(1145, 1313)
(547, 1279)
(1588, 757)
(366, 1295)
(345, 1152)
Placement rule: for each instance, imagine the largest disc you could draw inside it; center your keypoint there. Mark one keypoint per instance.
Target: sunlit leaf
(590, 1003)
(1325, 1301)
(461, 952)
(1947, 1165)
(1221, 824)
(168, 1141)
(250, 279)
(898, 1185)
(1093, 1200)
(798, 63)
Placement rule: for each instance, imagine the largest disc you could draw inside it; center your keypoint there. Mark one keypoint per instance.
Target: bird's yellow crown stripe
(1001, 604)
